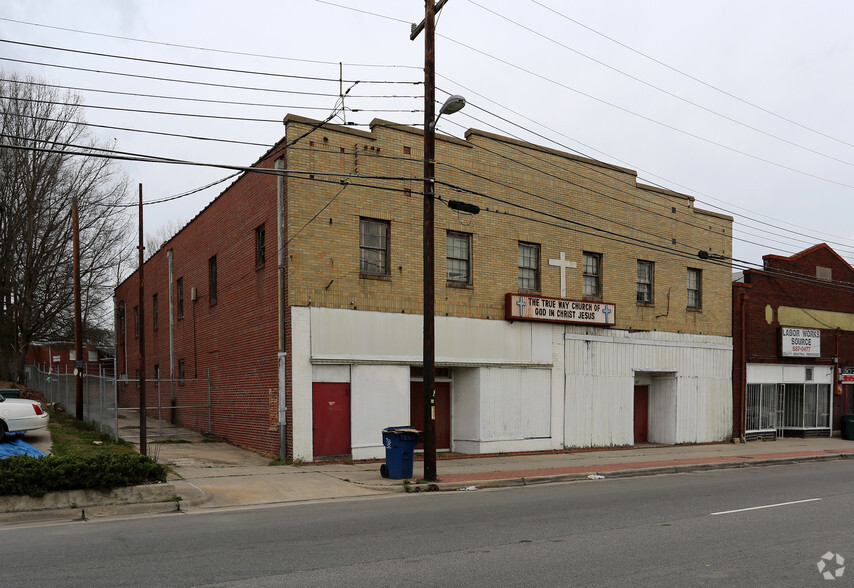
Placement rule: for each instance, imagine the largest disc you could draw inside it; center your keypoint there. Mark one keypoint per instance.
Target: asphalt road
(676, 530)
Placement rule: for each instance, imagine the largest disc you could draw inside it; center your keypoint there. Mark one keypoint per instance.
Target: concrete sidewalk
(214, 475)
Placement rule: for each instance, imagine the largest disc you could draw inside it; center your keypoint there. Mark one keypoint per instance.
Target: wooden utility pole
(78, 320)
(429, 362)
(142, 424)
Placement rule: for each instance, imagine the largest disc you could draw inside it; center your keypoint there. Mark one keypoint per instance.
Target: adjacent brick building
(793, 339)
(573, 311)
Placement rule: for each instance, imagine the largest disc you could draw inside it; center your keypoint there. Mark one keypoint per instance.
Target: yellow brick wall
(527, 193)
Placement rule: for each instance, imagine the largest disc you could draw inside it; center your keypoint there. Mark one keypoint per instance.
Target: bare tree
(47, 159)
(154, 241)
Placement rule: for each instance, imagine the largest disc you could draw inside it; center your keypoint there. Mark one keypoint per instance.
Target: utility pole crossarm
(417, 28)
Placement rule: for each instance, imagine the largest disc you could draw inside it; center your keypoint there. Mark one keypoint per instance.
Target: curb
(627, 473)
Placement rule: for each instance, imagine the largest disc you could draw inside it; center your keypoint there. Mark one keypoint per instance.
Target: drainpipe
(169, 255)
(280, 261)
(743, 364)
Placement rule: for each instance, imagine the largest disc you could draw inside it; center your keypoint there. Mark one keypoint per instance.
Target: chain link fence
(172, 407)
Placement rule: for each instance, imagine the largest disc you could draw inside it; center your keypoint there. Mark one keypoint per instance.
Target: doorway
(641, 406)
(330, 411)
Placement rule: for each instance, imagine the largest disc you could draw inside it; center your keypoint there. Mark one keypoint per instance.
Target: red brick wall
(789, 282)
(233, 340)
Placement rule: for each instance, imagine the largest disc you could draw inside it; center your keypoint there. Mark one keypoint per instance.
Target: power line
(660, 89)
(188, 99)
(644, 117)
(694, 78)
(208, 49)
(196, 66)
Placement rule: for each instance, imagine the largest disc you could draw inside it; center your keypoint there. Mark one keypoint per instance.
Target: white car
(19, 414)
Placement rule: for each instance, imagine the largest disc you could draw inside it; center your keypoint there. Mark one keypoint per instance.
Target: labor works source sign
(795, 342)
(558, 310)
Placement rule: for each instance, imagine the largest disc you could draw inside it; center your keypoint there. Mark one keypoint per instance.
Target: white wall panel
(359, 336)
(465, 408)
(515, 404)
(662, 410)
(379, 398)
(600, 367)
(301, 384)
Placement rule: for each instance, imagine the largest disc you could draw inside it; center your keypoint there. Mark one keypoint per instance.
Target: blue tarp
(13, 444)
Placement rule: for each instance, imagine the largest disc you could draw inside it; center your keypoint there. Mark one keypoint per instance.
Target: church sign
(559, 310)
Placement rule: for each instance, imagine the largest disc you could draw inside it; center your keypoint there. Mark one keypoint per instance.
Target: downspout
(743, 365)
(280, 267)
(836, 385)
(169, 255)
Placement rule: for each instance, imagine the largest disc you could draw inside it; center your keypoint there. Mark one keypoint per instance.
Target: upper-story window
(212, 281)
(529, 266)
(592, 287)
(260, 246)
(373, 247)
(695, 288)
(155, 312)
(459, 257)
(645, 281)
(179, 295)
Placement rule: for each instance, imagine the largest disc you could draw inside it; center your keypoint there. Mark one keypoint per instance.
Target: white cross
(562, 263)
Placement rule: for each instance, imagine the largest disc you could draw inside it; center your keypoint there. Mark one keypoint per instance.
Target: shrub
(30, 476)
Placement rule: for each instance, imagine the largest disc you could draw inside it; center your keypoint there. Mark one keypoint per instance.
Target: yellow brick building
(650, 361)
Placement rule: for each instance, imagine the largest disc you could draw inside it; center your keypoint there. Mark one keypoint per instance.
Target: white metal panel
(793, 373)
(600, 368)
(662, 410)
(301, 384)
(515, 403)
(379, 398)
(771, 373)
(330, 373)
(465, 399)
(360, 336)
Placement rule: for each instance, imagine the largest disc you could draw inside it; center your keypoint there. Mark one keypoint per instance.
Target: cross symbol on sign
(562, 263)
(607, 310)
(521, 304)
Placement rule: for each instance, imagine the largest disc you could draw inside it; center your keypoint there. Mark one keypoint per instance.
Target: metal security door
(331, 419)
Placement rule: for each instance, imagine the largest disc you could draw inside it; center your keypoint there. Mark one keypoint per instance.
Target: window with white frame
(459, 257)
(373, 247)
(645, 276)
(695, 288)
(592, 287)
(529, 266)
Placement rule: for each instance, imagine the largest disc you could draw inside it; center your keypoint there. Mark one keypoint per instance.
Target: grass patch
(76, 438)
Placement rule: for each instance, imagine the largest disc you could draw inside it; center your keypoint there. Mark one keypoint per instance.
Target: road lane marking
(723, 512)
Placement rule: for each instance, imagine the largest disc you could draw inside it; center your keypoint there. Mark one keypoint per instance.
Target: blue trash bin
(399, 443)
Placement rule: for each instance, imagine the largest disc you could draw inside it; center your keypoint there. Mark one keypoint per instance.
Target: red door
(443, 412)
(331, 419)
(641, 413)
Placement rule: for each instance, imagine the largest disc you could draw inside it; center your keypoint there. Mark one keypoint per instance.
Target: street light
(451, 105)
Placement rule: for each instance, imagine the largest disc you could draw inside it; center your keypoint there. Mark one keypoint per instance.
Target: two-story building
(572, 311)
(793, 356)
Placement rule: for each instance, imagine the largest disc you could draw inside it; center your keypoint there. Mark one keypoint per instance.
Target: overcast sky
(745, 104)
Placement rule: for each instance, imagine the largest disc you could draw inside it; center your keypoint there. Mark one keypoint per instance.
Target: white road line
(765, 506)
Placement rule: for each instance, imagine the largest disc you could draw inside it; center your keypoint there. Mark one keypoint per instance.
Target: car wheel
(3, 431)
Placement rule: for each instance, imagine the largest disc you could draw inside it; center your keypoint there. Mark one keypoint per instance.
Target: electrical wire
(200, 67)
(207, 49)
